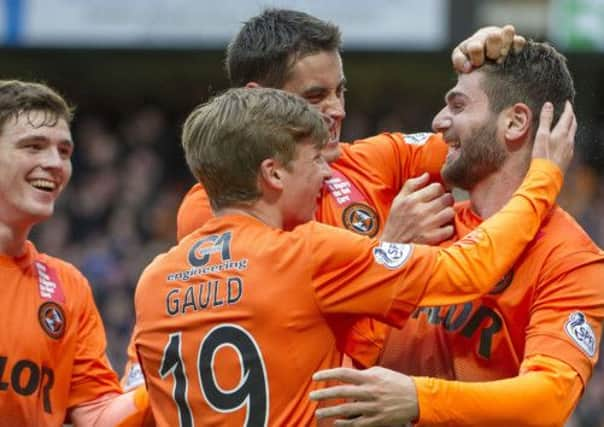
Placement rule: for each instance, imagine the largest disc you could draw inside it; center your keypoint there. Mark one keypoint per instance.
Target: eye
(456, 107)
(66, 151)
(33, 146)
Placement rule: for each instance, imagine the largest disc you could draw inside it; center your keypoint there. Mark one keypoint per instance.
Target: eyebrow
(317, 88)
(42, 138)
(454, 94)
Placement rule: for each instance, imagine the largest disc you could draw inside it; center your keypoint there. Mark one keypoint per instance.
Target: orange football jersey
(367, 176)
(233, 322)
(550, 303)
(52, 345)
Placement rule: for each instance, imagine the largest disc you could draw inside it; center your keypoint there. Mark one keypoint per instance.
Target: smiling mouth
(44, 185)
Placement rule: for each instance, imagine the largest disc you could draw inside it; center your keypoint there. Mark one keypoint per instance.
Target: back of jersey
(221, 321)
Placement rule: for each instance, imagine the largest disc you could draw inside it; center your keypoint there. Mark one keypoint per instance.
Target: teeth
(43, 184)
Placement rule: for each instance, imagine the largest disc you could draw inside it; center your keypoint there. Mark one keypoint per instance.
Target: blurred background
(136, 68)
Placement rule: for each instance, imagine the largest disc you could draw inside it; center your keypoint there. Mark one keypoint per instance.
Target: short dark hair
(536, 74)
(269, 44)
(226, 139)
(19, 97)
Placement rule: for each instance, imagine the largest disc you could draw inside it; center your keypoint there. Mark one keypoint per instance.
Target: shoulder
(561, 231)
(66, 271)
(562, 246)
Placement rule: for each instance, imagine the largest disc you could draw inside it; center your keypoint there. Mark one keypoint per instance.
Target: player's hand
(377, 397)
(492, 43)
(557, 144)
(420, 213)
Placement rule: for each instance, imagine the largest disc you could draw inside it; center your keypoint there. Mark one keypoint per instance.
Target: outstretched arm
(381, 397)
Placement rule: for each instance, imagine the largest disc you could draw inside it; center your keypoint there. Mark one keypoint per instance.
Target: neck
(12, 239)
(493, 192)
(259, 209)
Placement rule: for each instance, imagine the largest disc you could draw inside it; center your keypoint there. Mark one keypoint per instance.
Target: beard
(480, 156)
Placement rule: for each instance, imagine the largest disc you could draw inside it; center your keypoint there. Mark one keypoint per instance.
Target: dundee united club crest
(361, 219)
(52, 319)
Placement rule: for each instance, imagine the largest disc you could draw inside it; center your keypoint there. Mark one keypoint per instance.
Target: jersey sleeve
(544, 383)
(92, 375)
(387, 280)
(193, 212)
(568, 311)
(396, 157)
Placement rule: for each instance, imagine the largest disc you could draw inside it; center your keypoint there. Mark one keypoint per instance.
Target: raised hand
(420, 213)
(492, 43)
(557, 144)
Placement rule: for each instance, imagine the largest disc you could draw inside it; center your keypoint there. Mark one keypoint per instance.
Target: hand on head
(556, 144)
(492, 43)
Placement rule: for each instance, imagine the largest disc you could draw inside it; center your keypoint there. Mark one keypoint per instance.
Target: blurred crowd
(119, 211)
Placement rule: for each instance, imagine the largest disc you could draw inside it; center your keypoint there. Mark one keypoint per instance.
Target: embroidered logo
(581, 332)
(48, 283)
(52, 319)
(361, 219)
(417, 138)
(392, 255)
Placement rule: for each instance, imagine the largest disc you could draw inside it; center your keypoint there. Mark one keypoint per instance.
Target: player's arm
(380, 396)
(130, 409)
(561, 350)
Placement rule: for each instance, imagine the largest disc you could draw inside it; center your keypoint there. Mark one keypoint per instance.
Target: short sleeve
(395, 157)
(92, 375)
(567, 313)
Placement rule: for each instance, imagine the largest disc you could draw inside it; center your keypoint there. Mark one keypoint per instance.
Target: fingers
(349, 409)
(428, 193)
(518, 43)
(347, 375)
(545, 120)
(507, 34)
(475, 51)
(436, 236)
(460, 61)
(557, 144)
(566, 118)
(414, 184)
(494, 45)
(340, 391)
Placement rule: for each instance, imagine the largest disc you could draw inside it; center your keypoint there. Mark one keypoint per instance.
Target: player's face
(35, 161)
(470, 129)
(319, 79)
(302, 182)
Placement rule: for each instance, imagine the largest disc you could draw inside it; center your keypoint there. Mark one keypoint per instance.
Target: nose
(52, 158)
(334, 107)
(441, 121)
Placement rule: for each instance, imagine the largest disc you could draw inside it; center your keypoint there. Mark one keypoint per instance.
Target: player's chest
(362, 209)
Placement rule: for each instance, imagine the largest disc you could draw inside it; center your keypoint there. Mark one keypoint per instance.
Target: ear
(271, 174)
(518, 122)
(252, 85)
